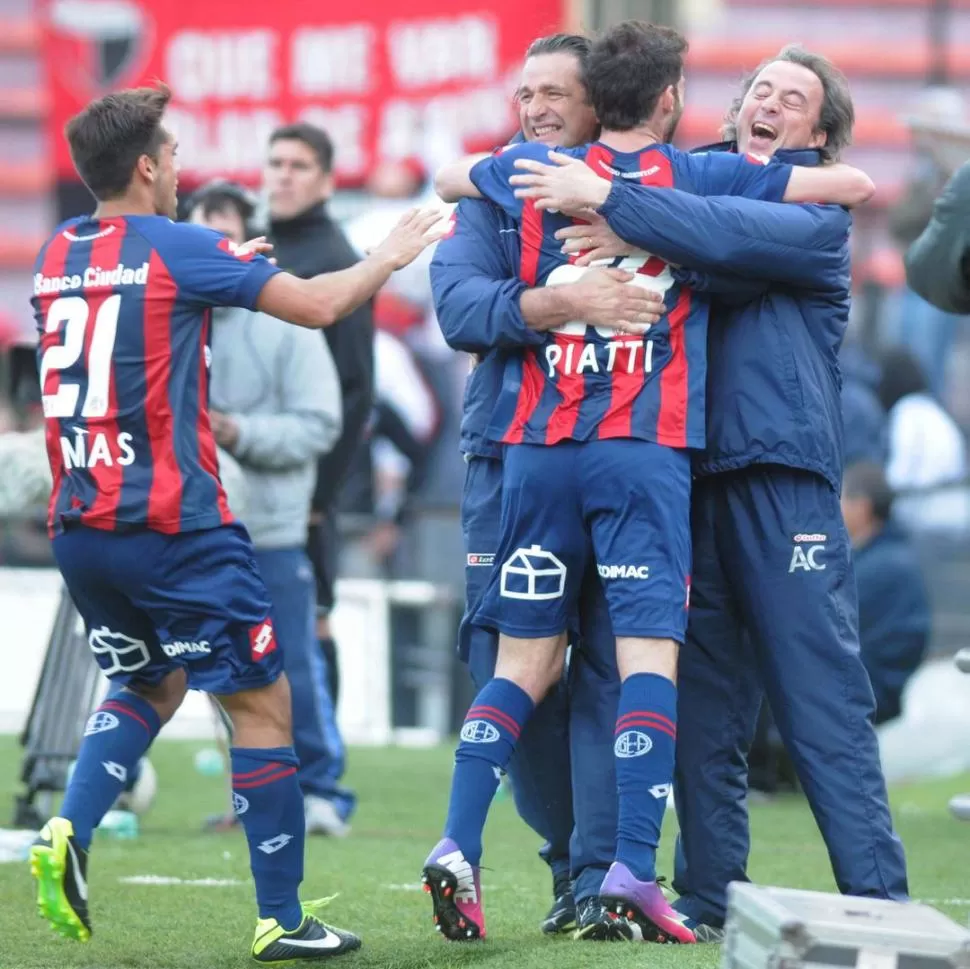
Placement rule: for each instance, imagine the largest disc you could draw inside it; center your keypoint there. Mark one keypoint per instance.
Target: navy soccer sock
(267, 799)
(646, 731)
(115, 739)
(488, 737)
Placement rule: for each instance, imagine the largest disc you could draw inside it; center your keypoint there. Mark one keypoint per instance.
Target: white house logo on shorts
(632, 743)
(100, 722)
(480, 558)
(125, 653)
(534, 574)
(239, 804)
(479, 732)
(807, 561)
(623, 571)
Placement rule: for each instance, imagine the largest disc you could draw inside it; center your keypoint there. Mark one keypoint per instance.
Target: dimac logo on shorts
(623, 571)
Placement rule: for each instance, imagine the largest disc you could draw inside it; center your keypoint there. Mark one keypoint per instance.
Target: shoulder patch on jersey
(227, 245)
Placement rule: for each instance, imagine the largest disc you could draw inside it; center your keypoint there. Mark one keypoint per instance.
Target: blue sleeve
(797, 245)
(723, 173)
(474, 285)
(491, 175)
(206, 270)
(729, 289)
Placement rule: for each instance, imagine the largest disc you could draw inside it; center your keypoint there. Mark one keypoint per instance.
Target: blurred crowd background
(400, 89)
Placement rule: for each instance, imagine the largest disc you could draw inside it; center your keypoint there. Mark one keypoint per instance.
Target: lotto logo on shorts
(480, 558)
(534, 574)
(262, 640)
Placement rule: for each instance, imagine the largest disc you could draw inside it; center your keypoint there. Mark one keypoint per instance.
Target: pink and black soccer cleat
(456, 893)
(644, 905)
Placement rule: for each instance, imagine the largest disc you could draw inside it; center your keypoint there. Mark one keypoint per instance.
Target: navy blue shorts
(152, 603)
(625, 501)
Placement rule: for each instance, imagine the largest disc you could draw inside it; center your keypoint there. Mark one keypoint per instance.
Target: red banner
(382, 76)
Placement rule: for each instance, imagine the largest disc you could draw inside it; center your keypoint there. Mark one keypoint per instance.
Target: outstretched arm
(798, 245)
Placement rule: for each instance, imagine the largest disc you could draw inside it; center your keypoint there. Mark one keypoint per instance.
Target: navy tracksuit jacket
(771, 554)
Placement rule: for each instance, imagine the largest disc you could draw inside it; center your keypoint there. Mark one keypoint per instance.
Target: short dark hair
(221, 194)
(628, 70)
(837, 115)
(575, 44)
(109, 136)
(316, 139)
(865, 479)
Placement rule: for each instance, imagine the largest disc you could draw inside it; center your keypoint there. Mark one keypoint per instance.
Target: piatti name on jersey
(93, 277)
(578, 357)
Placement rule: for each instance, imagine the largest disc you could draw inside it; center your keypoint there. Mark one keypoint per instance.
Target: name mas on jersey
(89, 450)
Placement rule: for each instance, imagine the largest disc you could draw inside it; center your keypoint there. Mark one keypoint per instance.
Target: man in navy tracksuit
(484, 309)
(773, 598)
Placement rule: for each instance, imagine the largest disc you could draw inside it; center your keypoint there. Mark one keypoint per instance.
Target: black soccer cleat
(595, 923)
(562, 916)
(311, 940)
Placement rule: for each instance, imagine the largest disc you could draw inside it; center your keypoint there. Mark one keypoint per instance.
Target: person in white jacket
(275, 406)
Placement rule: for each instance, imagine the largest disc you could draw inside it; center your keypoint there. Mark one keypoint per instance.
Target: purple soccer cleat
(456, 893)
(643, 904)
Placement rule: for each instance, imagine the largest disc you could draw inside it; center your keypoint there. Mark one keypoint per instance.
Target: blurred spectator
(926, 448)
(275, 407)
(298, 182)
(862, 413)
(894, 610)
(396, 186)
(937, 263)
(922, 327)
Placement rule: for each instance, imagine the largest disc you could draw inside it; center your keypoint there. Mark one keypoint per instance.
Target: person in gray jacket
(938, 262)
(276, 408)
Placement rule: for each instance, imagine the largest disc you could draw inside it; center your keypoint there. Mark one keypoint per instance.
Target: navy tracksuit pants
(773, 613)
(567, 736)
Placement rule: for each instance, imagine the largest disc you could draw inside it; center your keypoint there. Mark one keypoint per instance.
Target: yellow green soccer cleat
(311, 940)
(60, 865)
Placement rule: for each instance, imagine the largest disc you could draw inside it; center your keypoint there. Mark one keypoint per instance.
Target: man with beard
(773, 600)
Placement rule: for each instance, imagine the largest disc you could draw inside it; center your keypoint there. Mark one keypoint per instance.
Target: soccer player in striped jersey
(162, 574)
(600, 426)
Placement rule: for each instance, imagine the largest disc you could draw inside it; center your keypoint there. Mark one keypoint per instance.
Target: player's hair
(316, 139)
(109, 136)
(837, 115)
(865, 479)
(575, 44)
(628, 69)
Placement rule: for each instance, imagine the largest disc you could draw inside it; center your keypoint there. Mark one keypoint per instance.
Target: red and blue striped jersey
(587, 383)
(122, 308)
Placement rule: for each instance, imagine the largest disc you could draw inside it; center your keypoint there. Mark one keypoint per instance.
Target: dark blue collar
(790, 156)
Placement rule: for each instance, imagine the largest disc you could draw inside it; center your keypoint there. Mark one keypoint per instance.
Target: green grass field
(376, 870)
